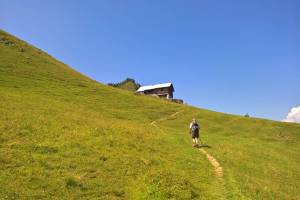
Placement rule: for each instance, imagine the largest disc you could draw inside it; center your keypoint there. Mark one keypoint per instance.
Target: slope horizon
(187, 103)
(243, 55)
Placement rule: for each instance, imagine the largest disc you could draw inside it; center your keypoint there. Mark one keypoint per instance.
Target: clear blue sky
(229, 56)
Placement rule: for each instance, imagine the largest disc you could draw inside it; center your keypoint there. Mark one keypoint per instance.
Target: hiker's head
(194, 120)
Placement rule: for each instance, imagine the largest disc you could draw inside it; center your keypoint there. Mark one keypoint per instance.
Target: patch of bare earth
(217, 167)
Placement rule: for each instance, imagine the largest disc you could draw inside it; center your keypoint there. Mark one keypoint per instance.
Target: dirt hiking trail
(216, 165)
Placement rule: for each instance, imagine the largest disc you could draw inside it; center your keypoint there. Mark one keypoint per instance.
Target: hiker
(194, 130)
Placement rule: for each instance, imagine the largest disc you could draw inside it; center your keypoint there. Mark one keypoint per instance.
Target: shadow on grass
(204, 146)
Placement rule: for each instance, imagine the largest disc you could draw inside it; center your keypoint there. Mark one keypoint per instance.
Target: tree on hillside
(128, 84)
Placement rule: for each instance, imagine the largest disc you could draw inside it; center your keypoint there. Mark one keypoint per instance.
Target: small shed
(164, 90)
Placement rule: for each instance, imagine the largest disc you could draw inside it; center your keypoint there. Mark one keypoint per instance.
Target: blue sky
(229, 56)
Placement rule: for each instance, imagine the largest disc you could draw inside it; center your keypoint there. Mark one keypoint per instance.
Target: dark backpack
(195, 128)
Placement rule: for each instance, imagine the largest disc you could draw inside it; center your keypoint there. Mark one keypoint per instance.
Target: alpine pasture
(65, 136)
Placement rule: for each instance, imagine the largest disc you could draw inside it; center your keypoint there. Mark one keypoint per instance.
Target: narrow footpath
(216, 165)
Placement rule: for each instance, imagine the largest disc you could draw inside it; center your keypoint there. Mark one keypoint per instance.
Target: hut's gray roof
(151, 87)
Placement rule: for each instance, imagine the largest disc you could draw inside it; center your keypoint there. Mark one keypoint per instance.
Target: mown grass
(64, 136)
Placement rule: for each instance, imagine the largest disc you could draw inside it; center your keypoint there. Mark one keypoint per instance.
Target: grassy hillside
(65, 136)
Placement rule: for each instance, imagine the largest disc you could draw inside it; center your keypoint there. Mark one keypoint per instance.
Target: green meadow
(65, 136)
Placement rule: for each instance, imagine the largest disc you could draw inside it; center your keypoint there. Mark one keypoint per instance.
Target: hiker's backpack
(195, 127)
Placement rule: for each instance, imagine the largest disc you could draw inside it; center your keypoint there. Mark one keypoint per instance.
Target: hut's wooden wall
(161, 91)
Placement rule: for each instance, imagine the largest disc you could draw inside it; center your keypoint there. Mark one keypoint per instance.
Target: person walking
(194, 131)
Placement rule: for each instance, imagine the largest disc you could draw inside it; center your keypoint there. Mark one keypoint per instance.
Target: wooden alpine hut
(164, 90)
